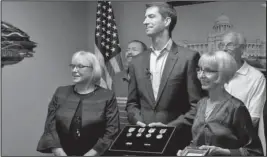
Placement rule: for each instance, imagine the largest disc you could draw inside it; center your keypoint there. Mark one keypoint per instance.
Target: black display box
(136, 140)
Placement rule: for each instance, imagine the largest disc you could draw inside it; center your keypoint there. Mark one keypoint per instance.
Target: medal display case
(136, 140)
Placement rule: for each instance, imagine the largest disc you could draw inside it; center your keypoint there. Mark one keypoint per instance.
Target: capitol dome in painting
(222, 19)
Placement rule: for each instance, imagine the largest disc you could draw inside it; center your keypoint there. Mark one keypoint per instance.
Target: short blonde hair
(92, 61)
(223, 62)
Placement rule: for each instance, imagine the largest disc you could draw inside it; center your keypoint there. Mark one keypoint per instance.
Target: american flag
(107, 47)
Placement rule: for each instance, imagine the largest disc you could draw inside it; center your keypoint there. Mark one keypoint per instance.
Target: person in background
(222, 123)
(83, 118)
(248, 84)
(121, 79)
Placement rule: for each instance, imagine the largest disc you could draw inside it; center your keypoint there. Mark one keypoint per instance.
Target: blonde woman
(83, 118)
(222, 123)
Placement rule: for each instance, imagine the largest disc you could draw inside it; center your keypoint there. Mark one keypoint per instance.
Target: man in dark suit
(121, 79)
(163, 85)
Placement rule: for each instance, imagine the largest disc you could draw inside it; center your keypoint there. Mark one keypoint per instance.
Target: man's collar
(243, 70)
(167, 46)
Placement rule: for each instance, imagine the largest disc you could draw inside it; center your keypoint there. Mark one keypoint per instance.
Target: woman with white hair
(222, 125)
(83, 118)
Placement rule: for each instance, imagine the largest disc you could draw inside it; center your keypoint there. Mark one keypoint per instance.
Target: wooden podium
(136, 140)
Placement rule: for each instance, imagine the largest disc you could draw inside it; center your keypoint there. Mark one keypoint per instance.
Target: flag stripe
(115, 65)
(99, 56)
(106, 80)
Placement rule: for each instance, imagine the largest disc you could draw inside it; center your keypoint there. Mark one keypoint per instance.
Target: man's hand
(155, 124)
(213, 150)
(91, 152)
(140, 124)
(58, 152)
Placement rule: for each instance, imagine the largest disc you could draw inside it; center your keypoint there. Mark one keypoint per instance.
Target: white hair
(223, 62)
(92, 61)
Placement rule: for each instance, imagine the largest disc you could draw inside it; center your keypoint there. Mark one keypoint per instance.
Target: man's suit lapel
(169, 64)
(147, 73)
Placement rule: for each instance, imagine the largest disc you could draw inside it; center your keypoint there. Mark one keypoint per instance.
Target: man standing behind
(163, 85)
(248, 84)
(121, 79)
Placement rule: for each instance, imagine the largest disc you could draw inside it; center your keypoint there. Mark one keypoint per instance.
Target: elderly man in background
(248, 84)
